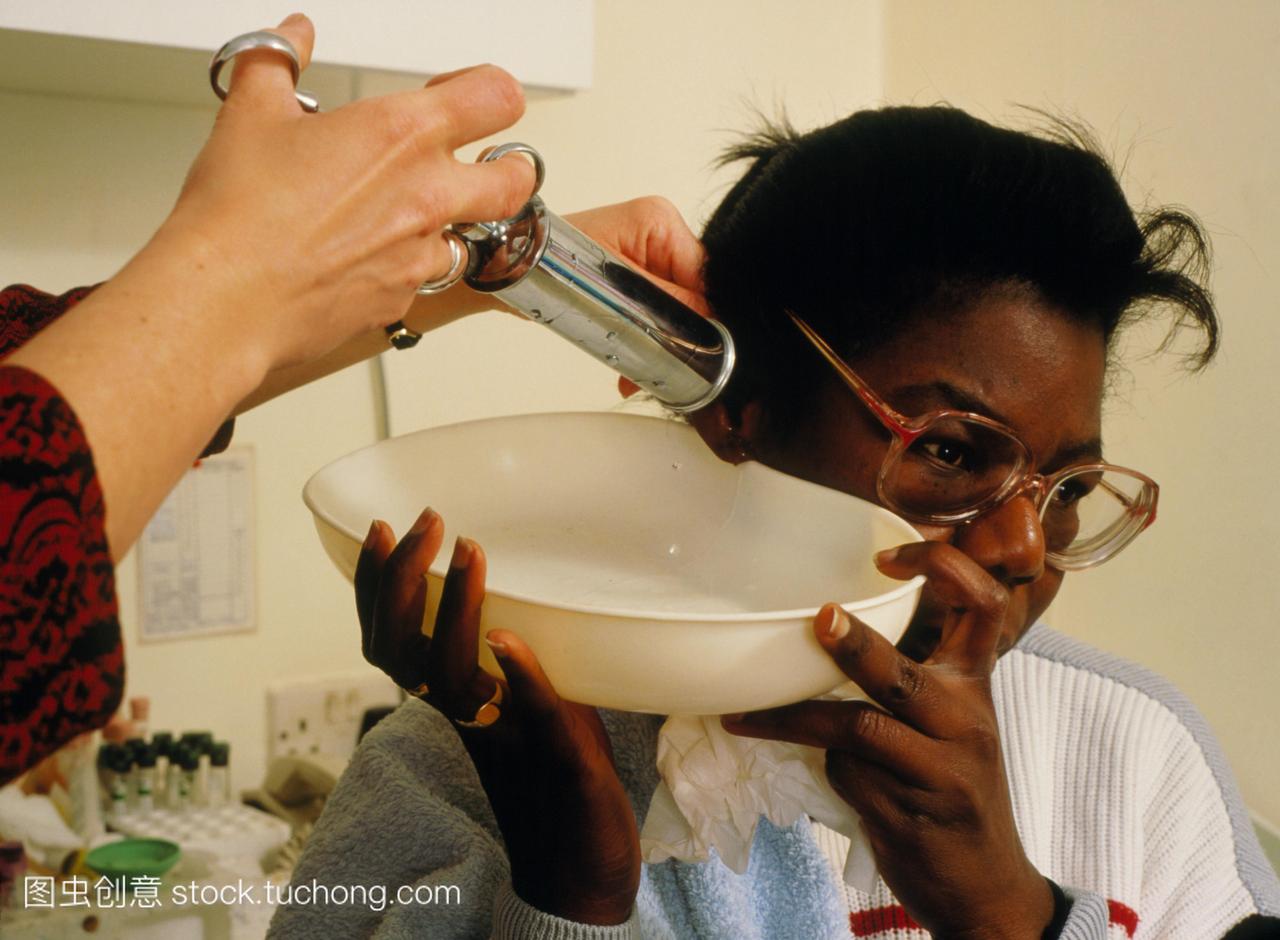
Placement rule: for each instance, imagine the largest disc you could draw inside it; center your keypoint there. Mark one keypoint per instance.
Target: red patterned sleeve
(24, 311)
(61, 658)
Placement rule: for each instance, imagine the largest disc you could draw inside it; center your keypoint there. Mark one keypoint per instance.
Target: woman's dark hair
(872, 222)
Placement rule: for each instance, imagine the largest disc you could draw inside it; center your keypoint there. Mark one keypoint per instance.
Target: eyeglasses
(949, 467)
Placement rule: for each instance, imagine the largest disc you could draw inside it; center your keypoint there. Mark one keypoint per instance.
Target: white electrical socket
(320, 715)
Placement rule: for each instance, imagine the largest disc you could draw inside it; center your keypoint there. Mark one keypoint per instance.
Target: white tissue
(716, 786)
(34, 820)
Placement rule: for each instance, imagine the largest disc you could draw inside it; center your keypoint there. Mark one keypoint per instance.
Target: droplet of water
(612, 334)
(610, 358)
(676, 465)
(536, 313)
(673, 550)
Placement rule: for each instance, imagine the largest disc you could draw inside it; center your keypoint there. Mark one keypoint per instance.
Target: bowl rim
(438, 569)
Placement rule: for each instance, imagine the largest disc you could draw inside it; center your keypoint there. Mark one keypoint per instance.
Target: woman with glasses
(925, 307)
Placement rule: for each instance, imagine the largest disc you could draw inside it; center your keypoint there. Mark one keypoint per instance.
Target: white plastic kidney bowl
(645, 573)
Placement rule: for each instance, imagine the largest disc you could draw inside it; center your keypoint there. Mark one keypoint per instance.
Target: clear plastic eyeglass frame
(1139, 509)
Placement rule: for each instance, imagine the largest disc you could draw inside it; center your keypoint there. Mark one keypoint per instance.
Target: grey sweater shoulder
(410, 825)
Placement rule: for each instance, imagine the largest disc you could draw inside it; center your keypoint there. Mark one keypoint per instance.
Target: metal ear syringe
(549, 271)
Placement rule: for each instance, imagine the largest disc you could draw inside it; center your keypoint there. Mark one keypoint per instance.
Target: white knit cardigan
(1121, 796)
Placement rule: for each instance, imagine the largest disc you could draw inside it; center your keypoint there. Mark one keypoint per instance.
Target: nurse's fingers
(442, 77)
(661, 242)
(651, 233)
(488, 191)
(263, 79)
(466, 105)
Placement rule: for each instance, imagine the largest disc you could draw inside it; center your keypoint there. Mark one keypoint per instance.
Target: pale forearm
(426, 314)
(150, 374)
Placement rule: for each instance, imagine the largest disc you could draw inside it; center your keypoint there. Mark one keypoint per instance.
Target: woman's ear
(731, 433)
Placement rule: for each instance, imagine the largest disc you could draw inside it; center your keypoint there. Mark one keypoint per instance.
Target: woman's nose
(1008, 541)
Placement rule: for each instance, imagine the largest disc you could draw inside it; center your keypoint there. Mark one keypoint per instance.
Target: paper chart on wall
(195, 558)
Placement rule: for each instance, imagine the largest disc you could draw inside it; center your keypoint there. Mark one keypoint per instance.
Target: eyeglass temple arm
(1130, 504)
(895, 422)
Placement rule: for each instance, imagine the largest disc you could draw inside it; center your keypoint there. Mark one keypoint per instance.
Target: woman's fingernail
(499, 648)
(372, 536)
(461, 553)
(832, 622)
(886, 556)
(291, 18)
(423, 522)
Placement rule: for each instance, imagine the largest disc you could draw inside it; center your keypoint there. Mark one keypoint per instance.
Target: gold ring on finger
(487, 713)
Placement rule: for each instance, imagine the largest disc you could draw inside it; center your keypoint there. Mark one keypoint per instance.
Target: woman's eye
(949, 453)
(1071, 492)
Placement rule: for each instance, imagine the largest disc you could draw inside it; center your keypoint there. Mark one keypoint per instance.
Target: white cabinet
(158, 49)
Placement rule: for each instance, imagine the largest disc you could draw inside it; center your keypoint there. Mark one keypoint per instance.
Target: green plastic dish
(134, 858)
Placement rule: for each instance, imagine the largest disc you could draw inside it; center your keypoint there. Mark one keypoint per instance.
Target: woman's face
(1015, 360)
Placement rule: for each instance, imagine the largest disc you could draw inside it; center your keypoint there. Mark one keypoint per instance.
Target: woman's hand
(546, 764)
(314, 228)
(924, 770)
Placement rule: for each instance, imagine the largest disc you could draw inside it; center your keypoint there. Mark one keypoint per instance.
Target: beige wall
(84, 182)
(1187, 97)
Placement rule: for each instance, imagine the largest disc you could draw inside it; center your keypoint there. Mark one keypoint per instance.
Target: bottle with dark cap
(144, 779)
(114, 763)
(162, 741)
(220, 774)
